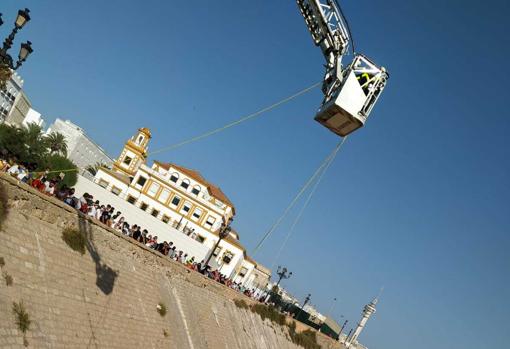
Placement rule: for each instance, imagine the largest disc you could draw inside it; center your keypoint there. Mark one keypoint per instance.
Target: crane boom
(349, 94)
(327, 27)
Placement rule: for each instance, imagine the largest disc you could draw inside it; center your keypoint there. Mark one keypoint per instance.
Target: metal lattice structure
(350, 93)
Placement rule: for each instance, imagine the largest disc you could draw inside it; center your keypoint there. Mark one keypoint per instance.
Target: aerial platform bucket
(349, 106)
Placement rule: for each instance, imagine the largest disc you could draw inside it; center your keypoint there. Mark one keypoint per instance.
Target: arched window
(185, 183)
(196, 190)
(174, 177)
(139, 140)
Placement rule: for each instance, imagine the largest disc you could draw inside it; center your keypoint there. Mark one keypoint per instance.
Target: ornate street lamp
(225, 230)
(6, 61)
(283, 273)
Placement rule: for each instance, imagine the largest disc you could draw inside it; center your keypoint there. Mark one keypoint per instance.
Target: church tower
(368, 310)
(134, 153)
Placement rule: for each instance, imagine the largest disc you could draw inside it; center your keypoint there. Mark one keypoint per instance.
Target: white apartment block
(81, 150)
(9, 96)
(185, 201)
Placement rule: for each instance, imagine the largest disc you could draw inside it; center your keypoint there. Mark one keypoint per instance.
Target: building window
(116, 190)
(197, 214)
(174, 177)
(176, 200)
(103, 183)
(139, 140)
(227, 257)
(217, 251)
(153, 189)
(165, 219)
(164, 195)
(186, 207)
(185, 183)
(209, 222)
(127, 160)
(144, 206)
(154, 213)
(243, 272)
(131, 199)
(195, 190)
(200, 239)
(141, 181)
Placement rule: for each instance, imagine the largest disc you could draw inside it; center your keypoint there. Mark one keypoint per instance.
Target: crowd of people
(106, 214)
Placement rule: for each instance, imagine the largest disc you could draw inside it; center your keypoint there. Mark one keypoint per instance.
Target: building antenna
(380, 293)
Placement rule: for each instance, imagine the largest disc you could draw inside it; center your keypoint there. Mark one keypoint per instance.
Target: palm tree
(56, 143)
(92, 169)
(33, 139)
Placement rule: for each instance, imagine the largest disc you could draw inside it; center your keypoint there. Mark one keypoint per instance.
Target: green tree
(36, 150)
(56, 143)
(58, 164)
(12, 142)
(5, 75)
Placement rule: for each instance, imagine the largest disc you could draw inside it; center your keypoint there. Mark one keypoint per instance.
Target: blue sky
(416, 201)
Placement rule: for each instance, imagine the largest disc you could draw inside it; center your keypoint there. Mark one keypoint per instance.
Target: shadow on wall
(3, 205)
(105, 276)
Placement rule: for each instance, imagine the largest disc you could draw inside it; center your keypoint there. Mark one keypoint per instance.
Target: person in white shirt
(14, 170)
(50, 188)
(92, 211)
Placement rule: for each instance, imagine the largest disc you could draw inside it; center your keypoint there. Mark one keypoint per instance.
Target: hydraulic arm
(350, 93)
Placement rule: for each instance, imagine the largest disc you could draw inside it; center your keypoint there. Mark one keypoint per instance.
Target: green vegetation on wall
(28, 145)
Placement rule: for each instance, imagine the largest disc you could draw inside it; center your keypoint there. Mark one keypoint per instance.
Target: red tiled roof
(214, 191)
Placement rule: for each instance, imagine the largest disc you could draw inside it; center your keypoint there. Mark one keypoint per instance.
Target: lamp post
(225, 229)
(282, 273)
(342, 329)
(307, 299)
(6, 61)
(333, 302)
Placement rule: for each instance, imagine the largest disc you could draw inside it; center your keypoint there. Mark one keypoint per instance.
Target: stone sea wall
(108, 296)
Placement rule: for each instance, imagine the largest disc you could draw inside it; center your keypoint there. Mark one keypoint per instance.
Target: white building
(182, 199)
(81, 150)
(33, 117)
(9, 96)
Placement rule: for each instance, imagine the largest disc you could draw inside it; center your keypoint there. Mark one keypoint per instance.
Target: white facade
(33, 117)
(8, 97)
(80, 148)
(180, 198)
(133, 215)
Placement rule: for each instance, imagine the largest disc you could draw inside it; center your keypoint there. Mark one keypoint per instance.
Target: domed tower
(134, 153)
(368, 310)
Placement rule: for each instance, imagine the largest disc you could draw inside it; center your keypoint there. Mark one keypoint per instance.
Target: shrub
(165, 333)
(3, 205)
(2, 262)
(268, 312)
(240, 303)
(8, 278)
(22, 318)
(74, 239)
(161, 309)
(307, 339)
